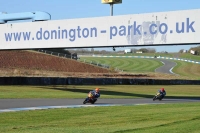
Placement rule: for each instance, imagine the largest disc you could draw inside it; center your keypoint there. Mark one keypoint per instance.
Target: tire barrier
(91, 81)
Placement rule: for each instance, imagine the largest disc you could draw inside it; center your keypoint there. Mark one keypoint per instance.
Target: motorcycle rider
(96, 93)
(162, 92)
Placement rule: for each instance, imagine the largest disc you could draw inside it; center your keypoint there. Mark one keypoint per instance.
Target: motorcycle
(90, 98)
(157, 96)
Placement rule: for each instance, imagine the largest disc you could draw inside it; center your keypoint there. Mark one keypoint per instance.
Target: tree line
(196, 49)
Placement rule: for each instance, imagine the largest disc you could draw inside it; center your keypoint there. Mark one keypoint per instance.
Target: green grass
(168, 118)
(143, 54)
(190, 56)
(107, 91)
(140, 65)
(126, 64)
(190, 70)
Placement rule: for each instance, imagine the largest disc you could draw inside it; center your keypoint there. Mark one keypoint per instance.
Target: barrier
(91, 81)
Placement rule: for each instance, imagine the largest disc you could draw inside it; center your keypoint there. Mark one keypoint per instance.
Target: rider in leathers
(162, 92)
(96, 93)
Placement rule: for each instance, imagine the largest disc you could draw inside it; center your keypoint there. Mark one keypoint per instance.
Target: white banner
(176, 27)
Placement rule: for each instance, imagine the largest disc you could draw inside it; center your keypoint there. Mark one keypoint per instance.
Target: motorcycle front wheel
(84, 102)
(154, 98)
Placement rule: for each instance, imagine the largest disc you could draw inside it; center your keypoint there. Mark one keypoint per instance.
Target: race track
(167, 66)
(7, 105)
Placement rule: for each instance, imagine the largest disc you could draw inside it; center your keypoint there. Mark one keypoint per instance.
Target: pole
(111, 9)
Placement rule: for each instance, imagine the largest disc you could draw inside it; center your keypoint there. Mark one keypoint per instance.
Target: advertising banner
(162, 28)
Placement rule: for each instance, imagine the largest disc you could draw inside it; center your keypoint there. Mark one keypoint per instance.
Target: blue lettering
(72, 34)
(111, 31)
(79, 29)
(153, 26)
(39, 34)
(46, 35)
(136, 28)
(85, 32)
(180, 30)
(8, 36)
(64, 33)
(132, 29)
(122, 31)
(95, 32)
(53, 32)
(26, 35)
(59, 32)
(17, 36)
(165, 28)
(190, 25)
(129, 29)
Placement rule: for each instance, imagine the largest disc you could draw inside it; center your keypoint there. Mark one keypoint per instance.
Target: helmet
(162, 89)
(97, 89)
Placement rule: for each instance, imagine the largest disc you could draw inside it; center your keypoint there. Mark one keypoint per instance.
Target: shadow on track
(116, 93)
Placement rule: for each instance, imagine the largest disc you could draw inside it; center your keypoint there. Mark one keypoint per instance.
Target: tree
(144, 50)
(133, 50)
(151, 50)
(103, 51)
(181, 51)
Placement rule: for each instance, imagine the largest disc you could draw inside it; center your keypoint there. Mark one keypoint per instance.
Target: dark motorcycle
(157, 96)
(90, 98)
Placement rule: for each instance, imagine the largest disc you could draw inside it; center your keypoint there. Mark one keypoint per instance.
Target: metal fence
(71, 56)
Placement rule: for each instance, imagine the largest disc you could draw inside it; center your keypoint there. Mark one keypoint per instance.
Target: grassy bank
(140, 65)
(168, 118)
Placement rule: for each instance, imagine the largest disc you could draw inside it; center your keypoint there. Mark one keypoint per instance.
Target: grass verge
(107, 91)
(168, 118)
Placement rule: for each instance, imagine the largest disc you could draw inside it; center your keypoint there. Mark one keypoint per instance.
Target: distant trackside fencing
(71, 56)
(169, 58)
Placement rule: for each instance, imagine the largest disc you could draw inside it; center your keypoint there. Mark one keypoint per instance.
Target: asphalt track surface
(25, 103)
(21, 104)
(167, 67)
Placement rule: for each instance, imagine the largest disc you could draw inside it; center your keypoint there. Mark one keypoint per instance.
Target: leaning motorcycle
(90, 98)
(157, 96)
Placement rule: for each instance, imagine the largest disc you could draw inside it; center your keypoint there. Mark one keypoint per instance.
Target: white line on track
(69, 106)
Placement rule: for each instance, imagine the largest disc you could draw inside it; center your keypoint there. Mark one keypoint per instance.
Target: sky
(72, 9)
